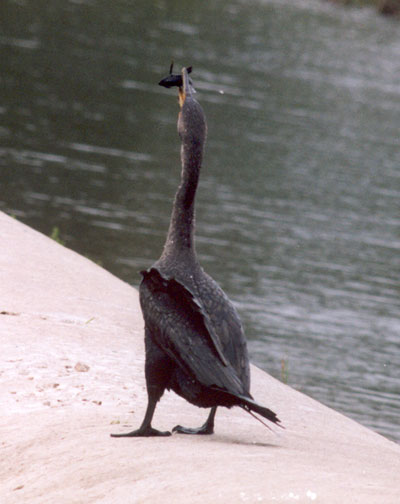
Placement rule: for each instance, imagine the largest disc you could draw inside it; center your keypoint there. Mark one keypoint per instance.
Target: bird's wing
(227, 325)
(183, 330)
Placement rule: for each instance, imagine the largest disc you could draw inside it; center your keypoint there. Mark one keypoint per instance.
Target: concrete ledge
(72, 372)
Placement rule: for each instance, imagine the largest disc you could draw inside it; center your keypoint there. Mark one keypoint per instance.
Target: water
(299, 205)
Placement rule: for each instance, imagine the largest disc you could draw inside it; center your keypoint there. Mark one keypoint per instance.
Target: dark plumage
(194, 340)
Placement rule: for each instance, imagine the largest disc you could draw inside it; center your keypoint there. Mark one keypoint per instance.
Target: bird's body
(194, 340)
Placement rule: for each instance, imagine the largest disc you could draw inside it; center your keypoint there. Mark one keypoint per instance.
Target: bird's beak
(186, 88)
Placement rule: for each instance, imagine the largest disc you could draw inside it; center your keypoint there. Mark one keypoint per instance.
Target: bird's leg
(146, 430)
(207, 428)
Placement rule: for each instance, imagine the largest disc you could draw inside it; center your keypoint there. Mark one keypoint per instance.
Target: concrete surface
(72, 372)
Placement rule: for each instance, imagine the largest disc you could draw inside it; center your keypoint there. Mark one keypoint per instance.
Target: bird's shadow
(243, 442)
(231, 440)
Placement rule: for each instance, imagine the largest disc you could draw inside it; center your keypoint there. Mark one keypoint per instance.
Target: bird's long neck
(192, 129)
(180, 238)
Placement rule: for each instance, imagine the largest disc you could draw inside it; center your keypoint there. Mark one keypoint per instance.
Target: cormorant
(193, 336)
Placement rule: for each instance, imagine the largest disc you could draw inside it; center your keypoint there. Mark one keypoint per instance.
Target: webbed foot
(204, 429)
(146, 432)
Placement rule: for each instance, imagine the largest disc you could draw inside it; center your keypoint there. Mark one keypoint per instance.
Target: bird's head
(191, 122)
(182, 81)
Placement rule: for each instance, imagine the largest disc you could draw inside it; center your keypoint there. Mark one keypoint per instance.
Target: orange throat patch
(182, 97)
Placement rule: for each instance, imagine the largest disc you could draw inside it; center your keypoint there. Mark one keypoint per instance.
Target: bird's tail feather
(251, 406)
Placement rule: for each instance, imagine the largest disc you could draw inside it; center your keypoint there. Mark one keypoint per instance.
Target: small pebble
(81, 368)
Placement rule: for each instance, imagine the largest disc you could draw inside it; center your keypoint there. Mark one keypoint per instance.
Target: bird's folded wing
(178, 324)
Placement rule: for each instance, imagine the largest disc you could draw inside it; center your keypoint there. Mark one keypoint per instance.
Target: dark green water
(299, 204)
